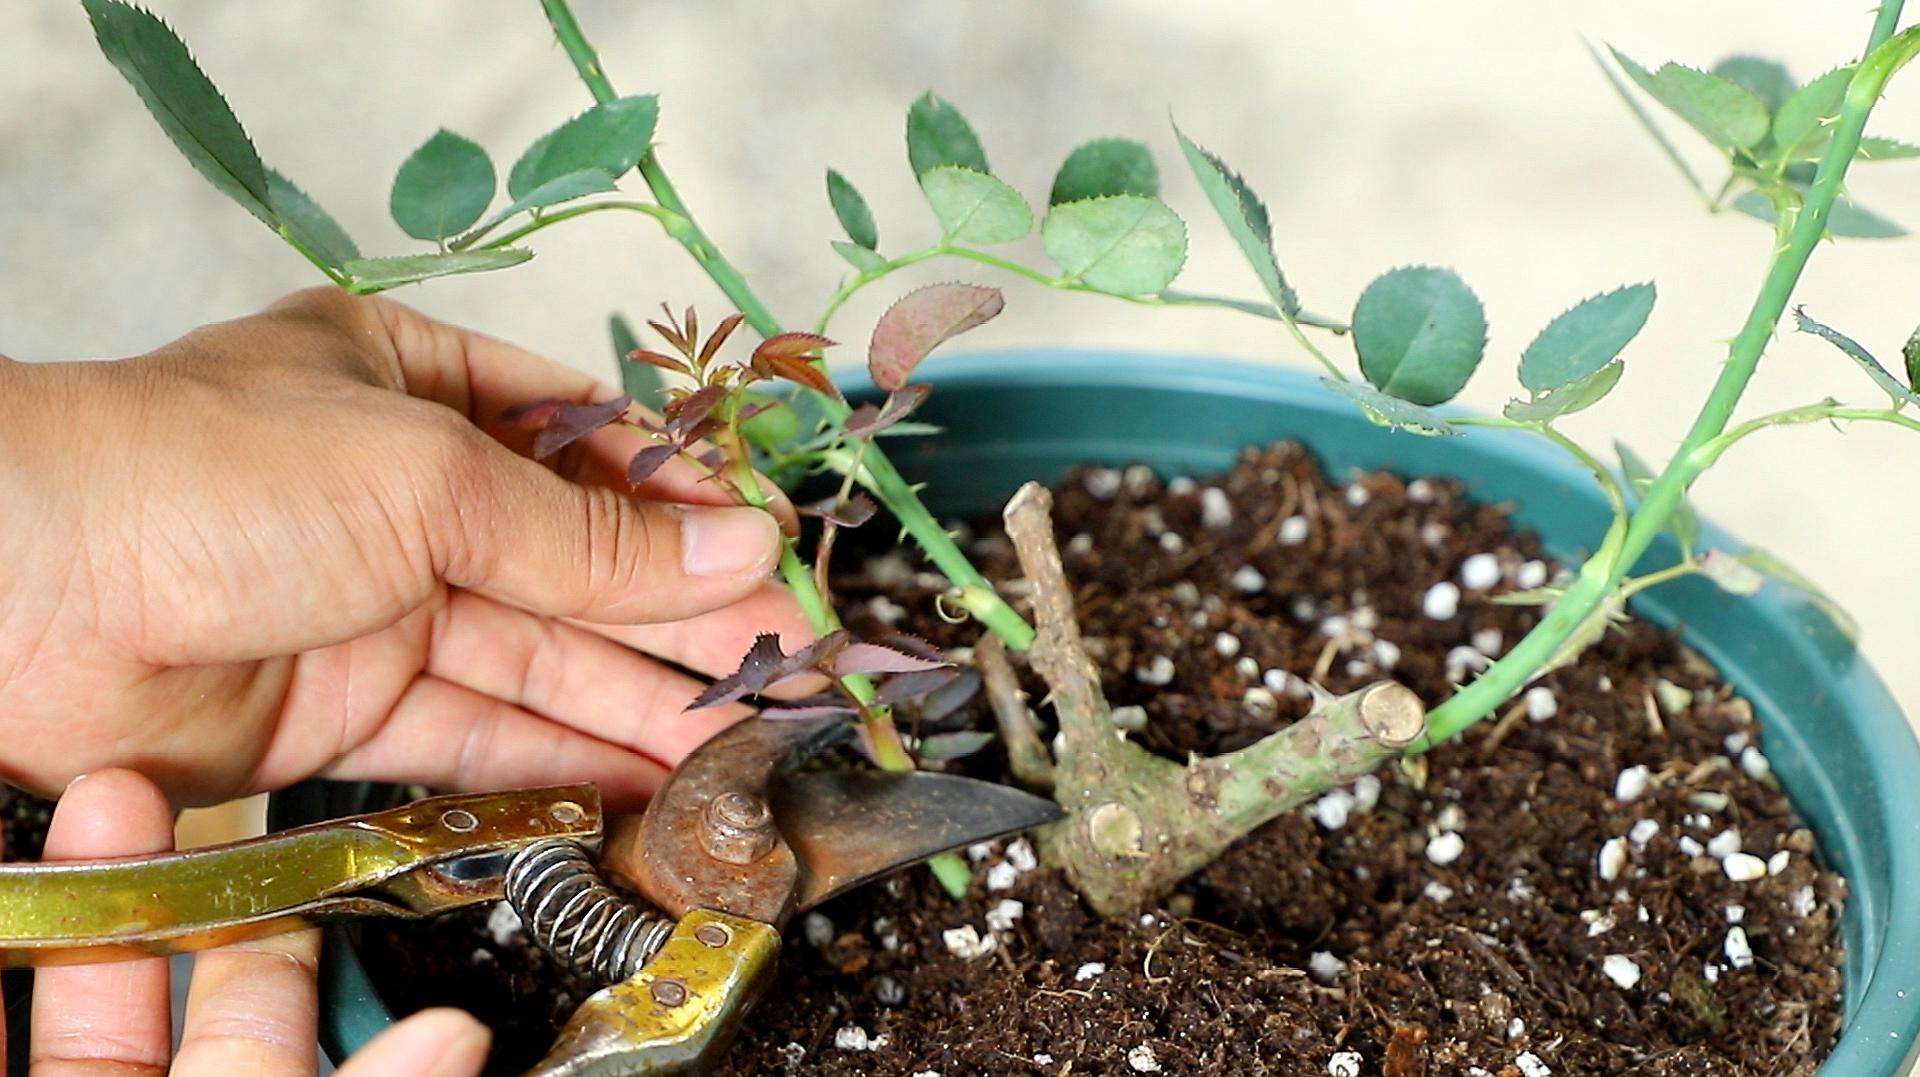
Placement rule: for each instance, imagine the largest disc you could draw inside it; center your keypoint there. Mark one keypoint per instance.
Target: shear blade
(847, 828)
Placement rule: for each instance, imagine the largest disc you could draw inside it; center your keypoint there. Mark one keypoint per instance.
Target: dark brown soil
(1454, 921)
(23, 824)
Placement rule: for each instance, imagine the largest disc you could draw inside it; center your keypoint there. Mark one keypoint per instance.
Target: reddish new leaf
(915, 645)
(795, 370)
(941, 747)
(757, 667)
(920, 322)
(852, 512)
(533, 412)
(815, 656)
(949, 697)
(911, 686)
(817, 707)
(868, 419)
(659, 359)
(571, 422)
(719, 337)
(873, 658)
(647, 461)
(692, 410)
(792, 345)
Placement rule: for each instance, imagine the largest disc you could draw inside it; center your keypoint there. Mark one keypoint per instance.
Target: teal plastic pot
(1835, 736)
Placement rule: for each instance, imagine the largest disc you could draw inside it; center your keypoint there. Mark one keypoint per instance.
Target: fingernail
(77, 779)
(727, 541)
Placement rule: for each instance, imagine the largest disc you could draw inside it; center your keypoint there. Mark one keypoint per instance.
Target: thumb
(523, 535)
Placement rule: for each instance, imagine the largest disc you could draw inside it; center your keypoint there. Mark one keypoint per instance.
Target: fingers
(431, 1043)
(252, 1007)
(448, 736)
(572, 676)
(713, 643)
(113, 1018)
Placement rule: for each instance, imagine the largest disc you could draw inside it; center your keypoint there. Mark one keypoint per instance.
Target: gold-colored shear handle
(416, 860)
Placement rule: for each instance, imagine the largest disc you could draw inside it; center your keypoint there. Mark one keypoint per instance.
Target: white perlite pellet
(1248, 580)
(1226, 644)
(1690, 846)
(1358, 495)
(1632, 783)
(1002, 876)
(888, 992)
(1437, 892)
(1613, 858)
(966, 942)
(1516, 1028)
(1738, 950)
(1245, 668)
(1002, 916)
(1778, 862)
(1080, 545)
(1020, 855)
(1480, 572)
(1172, 542)
(1541, 703)
(1325, 968)
(1181, 485)
(1216, 511)
(1157, 671)
(1643, 831)
(1724, 844)
(1735, 913)
(1530, 575)
(1755, 764)
(1803, 902)
(1450, 817)
(1294, 530)
(1744, 867)
(503, 923)
(1138, 479)
(1131, 718)
(1344, 1064)
(852, 1038)
(1141, 1059)
(1488, 641)
(1330, 811)
(1275, 680)
(1386, 655)
(1420, 492)
(1090, 971)
(926, 1073)
(979, 851)
(1366, 792)
(1622, 970)
(1441, 601)
(1446, 848)
(1531, 1066)
(1102, 482)
(817, 929)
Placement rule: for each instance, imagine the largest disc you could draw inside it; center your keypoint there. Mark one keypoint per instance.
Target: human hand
(304, 543)
(251, 1008)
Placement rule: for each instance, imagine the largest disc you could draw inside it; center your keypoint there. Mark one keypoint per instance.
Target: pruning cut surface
(1604, 879)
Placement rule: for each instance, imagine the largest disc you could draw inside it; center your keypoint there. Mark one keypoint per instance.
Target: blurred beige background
(1473, 135)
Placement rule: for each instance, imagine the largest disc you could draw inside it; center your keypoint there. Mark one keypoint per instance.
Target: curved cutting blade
(847, 828)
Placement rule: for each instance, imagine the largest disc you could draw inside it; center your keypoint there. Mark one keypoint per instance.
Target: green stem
(1601, 575)
(886, 482)
(548, 220)
(1825, 411)
(1608, 485)
(1654, 579)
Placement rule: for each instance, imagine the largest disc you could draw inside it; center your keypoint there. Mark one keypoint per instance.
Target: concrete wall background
(1477, 136)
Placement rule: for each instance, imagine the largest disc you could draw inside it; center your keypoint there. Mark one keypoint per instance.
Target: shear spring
(577, 917)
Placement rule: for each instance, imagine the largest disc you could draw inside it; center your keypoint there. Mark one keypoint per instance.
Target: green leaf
(1391, 411)
(1792, 577)
(551, 193)
(641, 381)
(1847, 219)
(940, 747)
(183, 101)
(938, 135)
(1566, 399)
(379, 274)
(1103, 167)
(611, 137)
(1420, 332)
(1911, 353)
(307, 224)
(1803, 122)
(1727, 113)
(861, 258)
(1245, 217)
(852, 210)
(1901, 394)
(1683, 522)
(1766, 79)
(1585, 338)
(974, 207)
(1646, 122)
(1885, 149)
(1120, 244)
(442, 187)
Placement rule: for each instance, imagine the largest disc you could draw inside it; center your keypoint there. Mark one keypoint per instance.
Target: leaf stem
(1600, 577)
(548, 220)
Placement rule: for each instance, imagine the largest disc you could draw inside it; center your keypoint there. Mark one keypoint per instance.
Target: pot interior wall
(1836, 738)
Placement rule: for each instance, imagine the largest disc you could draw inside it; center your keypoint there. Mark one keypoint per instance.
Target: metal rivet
(668, 992)
(459, 820)
(567, 813)
(713, 935)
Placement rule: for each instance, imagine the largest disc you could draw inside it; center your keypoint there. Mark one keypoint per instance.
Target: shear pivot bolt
(668, 992)
(712, 935)
(739, 828)
(459, 820)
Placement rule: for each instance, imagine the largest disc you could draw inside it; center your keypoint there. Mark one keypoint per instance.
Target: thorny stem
(1608, 485)
(1601, 575)
(885, 481)
(548, 220)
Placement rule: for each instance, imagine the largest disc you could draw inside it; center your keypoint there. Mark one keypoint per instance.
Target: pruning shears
(741, 838)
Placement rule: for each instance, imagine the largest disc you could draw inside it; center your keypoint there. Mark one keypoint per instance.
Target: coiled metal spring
(577, 917)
